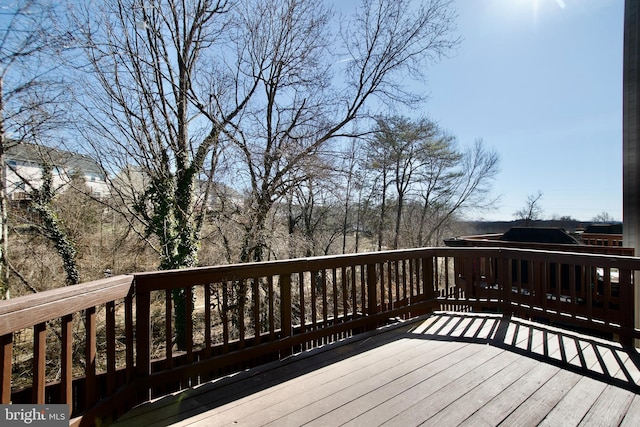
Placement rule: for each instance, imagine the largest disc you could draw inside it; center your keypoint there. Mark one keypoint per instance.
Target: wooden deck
(443, 370)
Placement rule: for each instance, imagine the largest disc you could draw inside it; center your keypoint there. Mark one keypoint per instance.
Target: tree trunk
(4, 215)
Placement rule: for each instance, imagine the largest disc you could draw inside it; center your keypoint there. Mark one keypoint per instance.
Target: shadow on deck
(443, 369)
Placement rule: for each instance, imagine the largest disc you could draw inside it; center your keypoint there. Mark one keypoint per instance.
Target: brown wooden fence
(117, 341)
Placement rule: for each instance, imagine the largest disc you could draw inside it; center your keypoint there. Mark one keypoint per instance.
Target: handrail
(246, 314)
(20, 313)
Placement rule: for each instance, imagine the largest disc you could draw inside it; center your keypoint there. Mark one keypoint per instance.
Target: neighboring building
(23, 170)
(600, 239)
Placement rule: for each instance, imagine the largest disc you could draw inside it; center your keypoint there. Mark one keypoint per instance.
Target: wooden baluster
(396, 279)
(271, 298)
(314, 309)
(504, 286)
(90, 357)
(257, 330)
(129, 333)
(325, 301)
(383, 285)
(345, 294)
(608, 313)
(558, 275)
(572, 290)
(538, 284)
(242, 287)
(110, 314)
(363, 290)
(207, 320)
(515, 285)
(405, 294)
(334, 278)
(168, 328)
(302, 303)
(285, 312)
(225, 317)
(354, 293)
(39, 362)
(446, 279)
(188, 299)
(66, 361)
(189, 321)
(372, 301)
(390, 284)
(412, 266)
(592, 283)
(5, 364)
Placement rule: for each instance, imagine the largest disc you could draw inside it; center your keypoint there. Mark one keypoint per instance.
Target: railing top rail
(567, 257)
(168, 279)
(26, 311)
(153, 280)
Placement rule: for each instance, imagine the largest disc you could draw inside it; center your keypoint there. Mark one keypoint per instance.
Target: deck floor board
(446, 369)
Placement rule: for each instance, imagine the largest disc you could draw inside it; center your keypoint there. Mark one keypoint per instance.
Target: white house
(23, 170)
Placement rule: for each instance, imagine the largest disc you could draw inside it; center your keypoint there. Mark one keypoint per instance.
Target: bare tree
(162, 92)
(353, 183)
(464, 188)
(407, 146)
(301, 108)
(431, 175)
(171, 82)
(29, 90)
(314, 220)
(531, 211)
(603, 217)
(52, 227)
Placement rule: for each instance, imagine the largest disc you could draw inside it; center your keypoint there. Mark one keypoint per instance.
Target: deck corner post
(627, 299)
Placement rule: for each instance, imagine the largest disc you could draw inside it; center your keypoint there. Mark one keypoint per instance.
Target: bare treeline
(236, 131)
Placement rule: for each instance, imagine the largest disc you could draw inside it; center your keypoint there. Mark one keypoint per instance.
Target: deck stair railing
(104, 346)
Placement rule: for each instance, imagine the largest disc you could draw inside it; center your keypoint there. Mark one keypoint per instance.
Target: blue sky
(541, 82)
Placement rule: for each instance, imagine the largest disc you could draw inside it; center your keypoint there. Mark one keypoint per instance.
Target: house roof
(538, 235)
(604, 229)
(38, 154)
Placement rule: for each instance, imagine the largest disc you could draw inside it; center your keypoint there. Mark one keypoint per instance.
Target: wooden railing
(591, 292)
(117, 341)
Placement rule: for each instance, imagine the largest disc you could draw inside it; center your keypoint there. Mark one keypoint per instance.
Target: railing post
(285, 311)
(143, 342)
(627, 306)
(428, 285)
